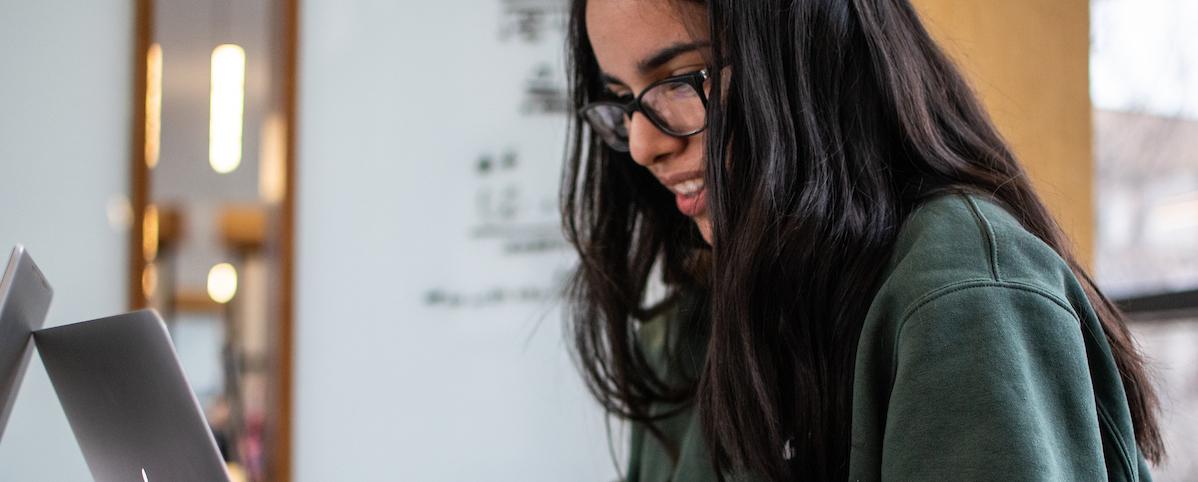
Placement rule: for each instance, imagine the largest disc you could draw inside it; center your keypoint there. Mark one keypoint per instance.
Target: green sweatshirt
(980, 359)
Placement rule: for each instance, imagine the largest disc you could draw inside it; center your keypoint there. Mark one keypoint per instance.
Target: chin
(704, 225)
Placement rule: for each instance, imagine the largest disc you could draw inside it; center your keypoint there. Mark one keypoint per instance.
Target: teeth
(687, 188)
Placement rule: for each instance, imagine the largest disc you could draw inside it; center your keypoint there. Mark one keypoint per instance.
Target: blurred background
(346, 212)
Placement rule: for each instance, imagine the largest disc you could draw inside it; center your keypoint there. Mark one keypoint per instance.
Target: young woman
(862, 284)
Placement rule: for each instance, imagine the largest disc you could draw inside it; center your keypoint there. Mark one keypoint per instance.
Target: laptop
(127, 401)
(24, 300)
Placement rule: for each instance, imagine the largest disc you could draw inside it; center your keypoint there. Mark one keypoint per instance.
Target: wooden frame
(281, 458)
(282, 394)
(139, 189)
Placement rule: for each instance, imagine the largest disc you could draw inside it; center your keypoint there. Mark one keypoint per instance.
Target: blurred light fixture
(119, 213)
(226, 107)
(149, 233)
(222, 283)
(153, 104)
(149, 280)
(272, 156)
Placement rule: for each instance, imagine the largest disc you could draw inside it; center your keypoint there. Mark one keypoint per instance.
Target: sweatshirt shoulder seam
(988, 236)
(968, 284)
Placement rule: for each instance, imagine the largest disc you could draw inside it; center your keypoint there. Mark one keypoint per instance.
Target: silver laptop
(126, 399)
(24, 300)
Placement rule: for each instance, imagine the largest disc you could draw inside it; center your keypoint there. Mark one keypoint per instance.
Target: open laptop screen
(24, 300)
(127, 401)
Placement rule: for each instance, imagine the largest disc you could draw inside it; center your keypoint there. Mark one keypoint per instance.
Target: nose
(647, 144)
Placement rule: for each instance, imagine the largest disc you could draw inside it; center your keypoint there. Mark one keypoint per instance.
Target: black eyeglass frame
(694, 79)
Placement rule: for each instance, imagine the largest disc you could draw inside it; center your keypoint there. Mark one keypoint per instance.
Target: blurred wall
(428, 345)
(63, 154)
(1029, 61)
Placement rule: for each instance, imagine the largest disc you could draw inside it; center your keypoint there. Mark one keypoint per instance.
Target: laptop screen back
(127, 401)
(24, 300)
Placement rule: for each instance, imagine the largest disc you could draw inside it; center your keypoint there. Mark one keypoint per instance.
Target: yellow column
(1029, 62)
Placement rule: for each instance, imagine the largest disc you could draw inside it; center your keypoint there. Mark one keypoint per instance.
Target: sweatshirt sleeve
(991, 383)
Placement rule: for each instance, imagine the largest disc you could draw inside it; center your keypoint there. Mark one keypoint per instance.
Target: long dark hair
(840, 117)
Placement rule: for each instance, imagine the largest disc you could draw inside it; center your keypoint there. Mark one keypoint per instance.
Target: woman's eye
(615, 91)
(621, 97)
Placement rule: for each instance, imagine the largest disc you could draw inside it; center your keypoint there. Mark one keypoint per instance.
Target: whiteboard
(429, 340)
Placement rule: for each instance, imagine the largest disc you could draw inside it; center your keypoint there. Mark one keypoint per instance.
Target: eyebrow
(667, 54)
(659, 58)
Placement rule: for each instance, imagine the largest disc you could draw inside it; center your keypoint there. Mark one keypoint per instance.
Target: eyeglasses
(675, 105)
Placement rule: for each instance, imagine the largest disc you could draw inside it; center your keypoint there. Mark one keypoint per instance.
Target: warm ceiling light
(149, 280)
(272, 160)
(153, 104)
(149, 233)
(222, 283)
(227, 104)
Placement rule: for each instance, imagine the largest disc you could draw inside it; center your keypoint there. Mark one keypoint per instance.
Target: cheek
(696, 145)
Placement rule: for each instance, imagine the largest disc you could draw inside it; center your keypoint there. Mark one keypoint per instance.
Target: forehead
(624, 32)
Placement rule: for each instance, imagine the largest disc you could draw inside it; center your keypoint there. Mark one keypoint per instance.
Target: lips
(690, 194)
(692, 204)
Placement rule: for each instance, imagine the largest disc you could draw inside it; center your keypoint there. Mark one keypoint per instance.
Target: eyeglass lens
(677, 106)
(674, 107)
(608, 121)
